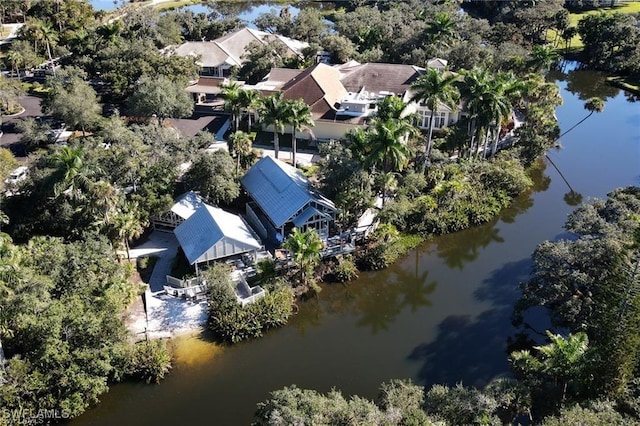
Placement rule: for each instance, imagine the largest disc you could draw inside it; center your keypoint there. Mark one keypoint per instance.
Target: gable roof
(230, 48)
(280, 190)
(319, 86)
(210, 226)
(377, 77)
(211, 53)
(187, 204)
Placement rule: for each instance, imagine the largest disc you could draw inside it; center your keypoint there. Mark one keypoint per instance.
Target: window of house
(439, 119)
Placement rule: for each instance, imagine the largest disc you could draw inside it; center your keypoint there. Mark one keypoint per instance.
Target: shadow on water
(469, 350)
(375, 299)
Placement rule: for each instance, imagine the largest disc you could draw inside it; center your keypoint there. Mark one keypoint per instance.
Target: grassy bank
(626, 83)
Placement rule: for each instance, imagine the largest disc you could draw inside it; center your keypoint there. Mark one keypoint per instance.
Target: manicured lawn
(574, 18)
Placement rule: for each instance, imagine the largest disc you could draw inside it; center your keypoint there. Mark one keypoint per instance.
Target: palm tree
(240, 146)
(274, 112)
(473, 87)
(249, 100)
(541, 58)
(392, 108)
(69, 162)
(306, 248)
(441, 29)
(434, 88)
(232, 101)
(15, 59)
(299, 117)
(128, 225)
(389, 149)
(501, 100)
(562, 360)
(44, 33)
(592, 105)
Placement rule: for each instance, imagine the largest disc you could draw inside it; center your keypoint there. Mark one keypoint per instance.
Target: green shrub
(151, 361)
(233, 323)
(346, 269)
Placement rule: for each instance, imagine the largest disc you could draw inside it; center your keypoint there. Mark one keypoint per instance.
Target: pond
(246, 11)
(440, 315)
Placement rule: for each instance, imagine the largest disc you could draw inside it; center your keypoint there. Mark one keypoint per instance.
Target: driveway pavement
(9, 139)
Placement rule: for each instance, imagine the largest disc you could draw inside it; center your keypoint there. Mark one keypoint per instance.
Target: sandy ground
(166, 315)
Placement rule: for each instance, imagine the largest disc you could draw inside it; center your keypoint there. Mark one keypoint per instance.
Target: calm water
(441, 315)
(247, 11)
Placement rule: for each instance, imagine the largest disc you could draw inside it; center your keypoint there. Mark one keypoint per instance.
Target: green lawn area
(574, 18)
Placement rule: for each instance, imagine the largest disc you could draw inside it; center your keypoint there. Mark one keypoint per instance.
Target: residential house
(343, 97)
(219, 57)
(184, 207)
(211, 233)
(283, 198)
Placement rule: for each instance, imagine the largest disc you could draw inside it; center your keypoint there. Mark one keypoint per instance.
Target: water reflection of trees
(474, 350)
(587, 84)
(463, 247)
(376, 299)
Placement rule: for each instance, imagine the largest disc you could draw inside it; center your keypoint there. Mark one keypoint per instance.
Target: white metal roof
(187, 204)
(211, 233)
(280, 190)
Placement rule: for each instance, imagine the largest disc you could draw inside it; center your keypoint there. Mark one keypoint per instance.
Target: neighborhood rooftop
(211, 233)
(280, 190)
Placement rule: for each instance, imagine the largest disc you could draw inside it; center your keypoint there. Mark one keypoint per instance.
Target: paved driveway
(31, 105)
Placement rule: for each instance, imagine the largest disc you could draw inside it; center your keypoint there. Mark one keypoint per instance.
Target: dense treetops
(62, 292)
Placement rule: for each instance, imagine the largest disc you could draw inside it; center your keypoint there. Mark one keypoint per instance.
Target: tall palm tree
(299, 117)
(434, 88)
(232, 101)
(473, 86)
(44, 33)
(16, 60)
(249, 100)
(239, 147)
(592, 105)
(389, 149)
(274, 112)
(128, 225)
(306, 248)
(507, 90)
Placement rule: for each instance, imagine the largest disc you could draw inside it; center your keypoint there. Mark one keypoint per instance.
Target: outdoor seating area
(193, 289)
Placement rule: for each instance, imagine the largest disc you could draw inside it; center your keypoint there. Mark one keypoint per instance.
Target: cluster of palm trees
(274, 111)
(489, 97)
(119, 219)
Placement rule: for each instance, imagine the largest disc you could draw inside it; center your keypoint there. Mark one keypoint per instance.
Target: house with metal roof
(184, 207)
(283, 198)
(211, 233)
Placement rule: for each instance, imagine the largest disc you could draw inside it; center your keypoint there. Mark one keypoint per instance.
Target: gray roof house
(211, 233)
(283, 198)
(185, 206)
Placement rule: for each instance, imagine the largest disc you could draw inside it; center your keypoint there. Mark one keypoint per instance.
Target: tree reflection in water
(473, 350)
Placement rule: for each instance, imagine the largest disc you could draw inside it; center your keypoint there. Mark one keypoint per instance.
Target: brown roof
(375, 77)
(319, 86)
